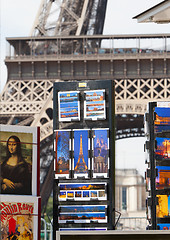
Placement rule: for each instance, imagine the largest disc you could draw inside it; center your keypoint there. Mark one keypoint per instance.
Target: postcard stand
(84, 196)
(157, 131)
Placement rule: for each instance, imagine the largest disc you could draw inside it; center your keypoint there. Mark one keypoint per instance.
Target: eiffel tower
(28, 101)
(81, 165)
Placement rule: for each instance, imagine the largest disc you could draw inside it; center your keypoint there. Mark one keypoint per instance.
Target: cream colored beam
(82, 18)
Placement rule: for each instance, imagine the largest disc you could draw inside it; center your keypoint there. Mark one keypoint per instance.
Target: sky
(17, 18)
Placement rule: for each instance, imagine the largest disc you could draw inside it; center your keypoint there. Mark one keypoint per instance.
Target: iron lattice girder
(69, 17)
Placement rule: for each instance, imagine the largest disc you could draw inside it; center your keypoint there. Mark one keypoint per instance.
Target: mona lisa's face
(12, 146)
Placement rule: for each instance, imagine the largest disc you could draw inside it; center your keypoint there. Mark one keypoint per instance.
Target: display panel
(19, 159)
(163, 178)
(20, 217)
(162, 119)
(82, 191)
(100, 147)
(69, 106)
(163, 207)
(62, 144)
(94, 105)
(82, 214)
(81, 161)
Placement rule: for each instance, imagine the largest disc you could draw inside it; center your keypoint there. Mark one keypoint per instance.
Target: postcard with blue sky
(84, 217)
(162, 121)
(85, 208)
(94, 105)
(100, 146)
(81, 152)
(69, 106)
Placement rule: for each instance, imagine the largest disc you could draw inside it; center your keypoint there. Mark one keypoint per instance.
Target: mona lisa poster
(20, 217)
(19, 159)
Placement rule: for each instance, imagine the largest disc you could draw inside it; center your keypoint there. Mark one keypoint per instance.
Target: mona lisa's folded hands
(9, 183)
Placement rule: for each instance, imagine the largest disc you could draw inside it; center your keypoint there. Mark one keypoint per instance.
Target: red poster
(19, 217)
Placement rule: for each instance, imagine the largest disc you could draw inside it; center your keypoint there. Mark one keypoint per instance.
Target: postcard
(81, 145)
(163, 226)
(62, 149)
(82, 186)
(100, 147)
(162, 121)
(162, 151)
(82, 191)
(83, 214)
(83, 208)
(69, 106)
(163, 178)
(20, 217)
(163, 207)
(20, 160)
(94, 105)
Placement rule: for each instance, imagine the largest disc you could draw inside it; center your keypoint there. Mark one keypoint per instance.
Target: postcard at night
(62, 150)
(83, 214)
(100, 147)
(163, 178)
(69, 106)
(162, 152)
(163, 207)
(162, 121)
(19, 160)
(94, 105)
(20, 217)
(81, 147)
(82, 191)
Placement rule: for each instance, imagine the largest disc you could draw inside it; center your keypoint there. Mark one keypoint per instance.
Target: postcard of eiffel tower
(81, 148)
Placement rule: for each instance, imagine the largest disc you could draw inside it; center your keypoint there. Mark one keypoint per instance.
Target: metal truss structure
(28, 102)
(69, 17)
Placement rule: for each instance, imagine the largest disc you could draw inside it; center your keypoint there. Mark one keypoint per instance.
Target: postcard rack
(157, 148)
(84, 155)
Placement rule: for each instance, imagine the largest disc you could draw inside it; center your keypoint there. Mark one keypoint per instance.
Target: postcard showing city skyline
(163, 207)
(94, 105)
(162, 121)
(69, 106)
(62, 150)
(81, 209)
(81, 144)
(82, 191)
(82, 186)
(100, 146)
(162, 151)
(82, 217)
(82, 195)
